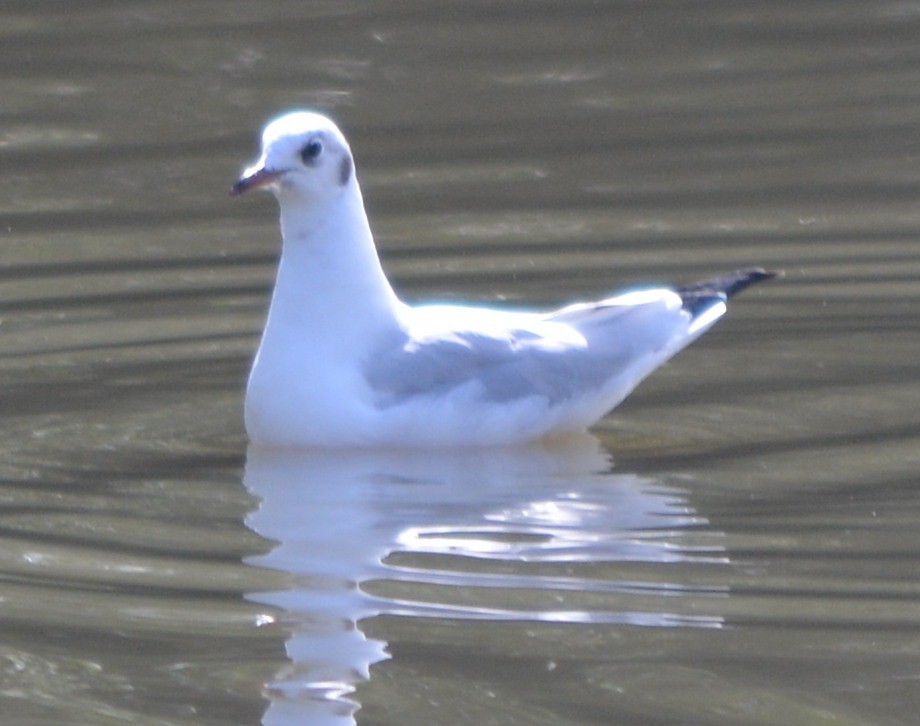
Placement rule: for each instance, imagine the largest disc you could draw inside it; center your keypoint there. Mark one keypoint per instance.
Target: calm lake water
(736, 544)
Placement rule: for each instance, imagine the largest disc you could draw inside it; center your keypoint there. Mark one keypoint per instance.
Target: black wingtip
(697, 294)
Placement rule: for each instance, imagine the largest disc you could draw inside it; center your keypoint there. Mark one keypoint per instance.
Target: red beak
(252, 179)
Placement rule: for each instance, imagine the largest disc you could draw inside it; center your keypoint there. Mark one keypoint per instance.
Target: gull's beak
(253, 177)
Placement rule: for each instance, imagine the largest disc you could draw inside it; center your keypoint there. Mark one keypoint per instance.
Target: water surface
(736, 544)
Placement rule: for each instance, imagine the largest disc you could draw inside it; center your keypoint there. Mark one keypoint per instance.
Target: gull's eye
(311, 150)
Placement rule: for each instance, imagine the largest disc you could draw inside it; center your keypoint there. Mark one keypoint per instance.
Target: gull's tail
(699, 296)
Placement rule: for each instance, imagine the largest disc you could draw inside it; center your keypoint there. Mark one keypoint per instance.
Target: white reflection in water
(352, 523)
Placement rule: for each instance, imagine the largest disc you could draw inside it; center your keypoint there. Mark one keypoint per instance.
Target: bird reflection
(422, 533)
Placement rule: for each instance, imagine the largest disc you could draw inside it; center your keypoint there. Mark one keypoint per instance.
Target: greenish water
(736, 544)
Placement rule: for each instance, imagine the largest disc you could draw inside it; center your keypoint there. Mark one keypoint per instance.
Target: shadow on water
(538, 535)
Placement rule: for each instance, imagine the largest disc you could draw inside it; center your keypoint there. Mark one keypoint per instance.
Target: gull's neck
(331, 293)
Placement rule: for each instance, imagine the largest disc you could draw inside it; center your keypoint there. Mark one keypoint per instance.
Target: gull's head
(304, 157)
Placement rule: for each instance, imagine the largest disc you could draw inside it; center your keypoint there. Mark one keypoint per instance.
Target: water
(735, 544)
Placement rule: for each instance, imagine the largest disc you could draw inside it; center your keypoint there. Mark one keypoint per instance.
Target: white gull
(344, 362)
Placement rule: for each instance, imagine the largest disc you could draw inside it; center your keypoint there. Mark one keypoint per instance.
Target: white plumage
(344, 362)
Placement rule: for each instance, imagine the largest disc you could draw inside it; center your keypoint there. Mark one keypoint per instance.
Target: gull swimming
(343, 362)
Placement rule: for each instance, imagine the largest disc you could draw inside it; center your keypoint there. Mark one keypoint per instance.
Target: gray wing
(502, 369)
(519, 361)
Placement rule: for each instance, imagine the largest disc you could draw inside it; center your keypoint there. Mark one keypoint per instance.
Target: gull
(343, 362)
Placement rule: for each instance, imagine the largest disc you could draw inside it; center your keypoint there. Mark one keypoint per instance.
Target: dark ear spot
(345, 171)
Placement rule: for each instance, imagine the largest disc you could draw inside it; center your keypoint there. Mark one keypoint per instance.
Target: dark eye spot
(311, 150)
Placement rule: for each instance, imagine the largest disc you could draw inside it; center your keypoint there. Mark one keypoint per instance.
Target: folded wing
(574, 352)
